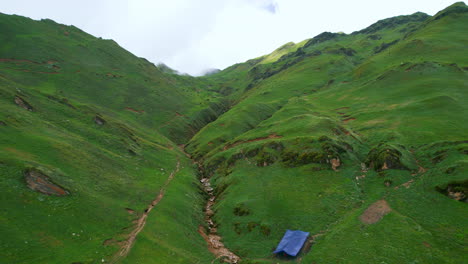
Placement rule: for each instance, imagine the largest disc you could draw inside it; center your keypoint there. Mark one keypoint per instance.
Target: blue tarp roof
(292, 242)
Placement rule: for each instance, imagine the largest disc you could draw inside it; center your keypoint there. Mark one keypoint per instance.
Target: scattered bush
(388, 183)
(265, 230)
(278, 146)
(439, 156)
(251, 226)
(455, 190)
(237, 228)
(241, 210)
(252, 153)
(385, 157)
(265, 159)
(450, 170)
(385, 46)
(232, 160)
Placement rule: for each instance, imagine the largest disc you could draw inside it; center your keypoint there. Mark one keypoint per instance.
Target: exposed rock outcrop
(38, 181)
(22, 103)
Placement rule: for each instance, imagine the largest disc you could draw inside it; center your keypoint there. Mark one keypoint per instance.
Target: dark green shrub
(278, 146)
(234, 158)
(241, 210)
(237, 228)
(215, 163)
(385, 157)
(265, 230)
(252, 153)
(265, 159)
(251, 226)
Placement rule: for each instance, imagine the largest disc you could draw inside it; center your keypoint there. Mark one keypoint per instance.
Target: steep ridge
(357, 117)
(80, 118)
(358, 139)
(95, 71)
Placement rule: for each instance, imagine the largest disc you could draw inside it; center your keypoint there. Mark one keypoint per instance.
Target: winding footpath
(127, 245)
(210, 235)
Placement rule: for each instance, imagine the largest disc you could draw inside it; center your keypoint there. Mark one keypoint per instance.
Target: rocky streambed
(210, 234)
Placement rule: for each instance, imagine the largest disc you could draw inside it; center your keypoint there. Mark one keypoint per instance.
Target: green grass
(121, 164)
(172, 234)
(408, 96)
(389, 102)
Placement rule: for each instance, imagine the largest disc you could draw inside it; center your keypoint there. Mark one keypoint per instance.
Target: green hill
(359, 139)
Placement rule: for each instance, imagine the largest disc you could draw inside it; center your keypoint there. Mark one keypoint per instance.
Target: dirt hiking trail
(127, 244)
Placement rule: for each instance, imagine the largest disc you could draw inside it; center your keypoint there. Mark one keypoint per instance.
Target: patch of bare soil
(211, 237)
(38, 181)
(15, 60)
(22, 103)
(456, 195)
(111, 242)
(341, 108)
(406, 184)
(111, 75)
(48, 240)
(375, 212)
(45, 72)
(421, 170)
(134, 110)
(348, 119)
(28, 62)
(335, 163)
(23, 70)
(360, 177)
(127, 244)
(237, 143)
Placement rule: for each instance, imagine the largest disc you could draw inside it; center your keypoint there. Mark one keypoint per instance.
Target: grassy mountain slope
(68, 63)
(359, 139)
(388, 102)
(91, 119)
(105, 168)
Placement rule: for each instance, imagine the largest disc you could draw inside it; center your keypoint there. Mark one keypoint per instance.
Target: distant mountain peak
(166, 69)
(209, 72)
(393, 22)
(456, 8)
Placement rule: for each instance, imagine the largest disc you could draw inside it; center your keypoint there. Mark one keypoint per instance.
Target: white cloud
(267, 5)
(191, 36)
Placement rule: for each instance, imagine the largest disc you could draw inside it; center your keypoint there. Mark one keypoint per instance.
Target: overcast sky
(194, 35)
